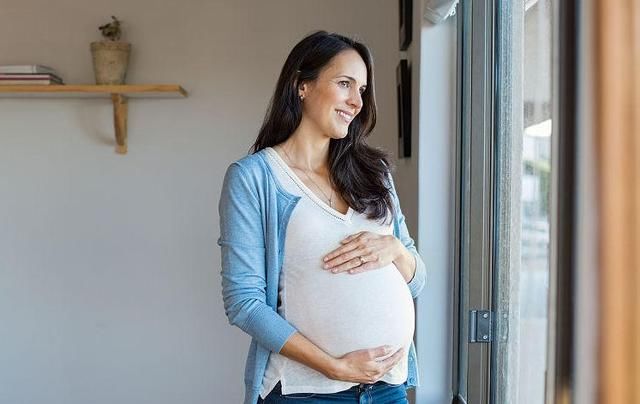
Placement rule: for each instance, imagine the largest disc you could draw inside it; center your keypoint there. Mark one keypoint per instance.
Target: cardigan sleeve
(243, 271)
(417, 283)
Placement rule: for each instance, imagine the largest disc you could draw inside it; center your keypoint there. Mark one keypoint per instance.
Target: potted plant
(110, 56)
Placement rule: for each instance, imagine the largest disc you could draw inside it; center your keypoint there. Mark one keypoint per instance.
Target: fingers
(348, 244)
(384, 352)
(370, 365)
(371, 262)
(380, 352)
(351, 237)
(395, 358)
(339, 251)
(360, 261)
(383, 366)
(347, 262)
(390, 362)
(348, 257)
(366, 245)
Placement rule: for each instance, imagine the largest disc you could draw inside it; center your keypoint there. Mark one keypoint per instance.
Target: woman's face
(335, 97)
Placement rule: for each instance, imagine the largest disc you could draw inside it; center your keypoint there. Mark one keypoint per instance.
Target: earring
(301, 97)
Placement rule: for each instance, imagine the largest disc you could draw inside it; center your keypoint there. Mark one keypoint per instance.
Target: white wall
(109, 270)
(427, 195)
(437, 128)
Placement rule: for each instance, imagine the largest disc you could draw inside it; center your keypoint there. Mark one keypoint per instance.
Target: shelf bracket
(120, 112)
(119, 93)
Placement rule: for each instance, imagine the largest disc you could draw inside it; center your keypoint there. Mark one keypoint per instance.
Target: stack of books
(28, 74)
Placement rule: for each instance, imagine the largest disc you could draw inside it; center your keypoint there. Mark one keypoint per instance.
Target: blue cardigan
(254, 211)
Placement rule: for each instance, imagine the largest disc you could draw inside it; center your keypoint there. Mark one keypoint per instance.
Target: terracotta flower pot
(110, 61)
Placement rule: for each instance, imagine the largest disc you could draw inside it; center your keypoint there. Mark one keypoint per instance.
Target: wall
(435, 205)
(427, 196)
(109, 270)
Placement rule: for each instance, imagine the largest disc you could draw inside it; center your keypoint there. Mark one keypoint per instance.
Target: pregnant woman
(317, 263)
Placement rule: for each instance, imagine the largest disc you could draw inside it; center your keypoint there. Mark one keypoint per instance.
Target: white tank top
(340, 313)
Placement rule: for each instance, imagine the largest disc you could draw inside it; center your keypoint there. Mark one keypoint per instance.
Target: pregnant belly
(342, 312)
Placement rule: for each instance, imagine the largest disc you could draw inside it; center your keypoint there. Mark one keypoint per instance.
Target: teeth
(346, 116)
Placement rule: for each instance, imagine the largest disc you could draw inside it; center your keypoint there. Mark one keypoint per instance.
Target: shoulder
(251, 162)
(250, 167)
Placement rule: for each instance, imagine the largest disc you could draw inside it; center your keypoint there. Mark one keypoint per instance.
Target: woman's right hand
(365, 365)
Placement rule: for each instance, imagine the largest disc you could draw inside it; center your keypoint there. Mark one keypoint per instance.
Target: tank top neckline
(306, 190)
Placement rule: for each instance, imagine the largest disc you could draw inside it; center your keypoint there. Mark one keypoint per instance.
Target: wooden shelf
(94, 90)
(118, 94)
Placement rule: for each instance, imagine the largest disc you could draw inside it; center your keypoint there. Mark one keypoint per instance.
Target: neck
(307, 151)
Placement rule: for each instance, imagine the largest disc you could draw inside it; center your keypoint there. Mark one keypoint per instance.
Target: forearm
(405, 261)
(300, 349)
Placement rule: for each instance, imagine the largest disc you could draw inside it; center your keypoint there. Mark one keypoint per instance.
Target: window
(510, 219)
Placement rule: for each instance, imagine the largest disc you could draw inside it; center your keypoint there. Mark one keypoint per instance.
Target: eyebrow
(351, 78)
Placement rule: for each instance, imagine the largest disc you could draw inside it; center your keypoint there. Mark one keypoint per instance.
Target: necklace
(329, 198)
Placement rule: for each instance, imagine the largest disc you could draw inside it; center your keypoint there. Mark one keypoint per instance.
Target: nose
(355, 99)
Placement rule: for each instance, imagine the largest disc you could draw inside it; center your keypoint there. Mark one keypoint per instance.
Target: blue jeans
(377, 393)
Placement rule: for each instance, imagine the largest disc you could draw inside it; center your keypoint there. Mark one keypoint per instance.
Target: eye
(344, 83)
(362, 90)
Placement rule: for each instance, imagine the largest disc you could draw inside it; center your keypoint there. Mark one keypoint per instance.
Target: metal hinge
(480, 325)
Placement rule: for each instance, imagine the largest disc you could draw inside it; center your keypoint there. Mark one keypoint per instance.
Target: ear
(303, 89)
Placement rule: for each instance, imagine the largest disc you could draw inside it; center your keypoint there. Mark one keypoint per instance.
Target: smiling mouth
(345, 116)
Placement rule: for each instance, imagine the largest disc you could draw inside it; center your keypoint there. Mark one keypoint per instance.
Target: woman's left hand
(363, 251)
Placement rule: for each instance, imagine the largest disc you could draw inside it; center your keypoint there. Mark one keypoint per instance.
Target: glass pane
(525, 131)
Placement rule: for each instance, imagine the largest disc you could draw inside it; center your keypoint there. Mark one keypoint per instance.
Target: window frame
(481, 245)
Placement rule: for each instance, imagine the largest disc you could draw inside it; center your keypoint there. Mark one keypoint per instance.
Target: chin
(339, 136)
(341, 133)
